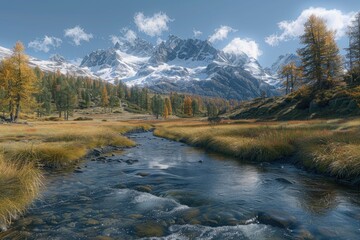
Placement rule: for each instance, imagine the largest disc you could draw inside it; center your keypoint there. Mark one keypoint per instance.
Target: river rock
(277, 219)
(149, 229)
(71, 225)
(142, 174)
(144, 188)
(303, 234)
(135, 216)
(131, 161)
(283, 180)
(91, 221)
(190, 214)
(119, 186)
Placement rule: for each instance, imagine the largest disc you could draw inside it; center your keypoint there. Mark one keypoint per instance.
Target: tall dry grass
(29, 148)
(19, 185)
(331, 147)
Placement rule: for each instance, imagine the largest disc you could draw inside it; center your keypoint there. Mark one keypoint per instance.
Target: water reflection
(180, 192)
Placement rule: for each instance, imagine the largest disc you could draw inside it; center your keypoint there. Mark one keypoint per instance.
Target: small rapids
(162, 189)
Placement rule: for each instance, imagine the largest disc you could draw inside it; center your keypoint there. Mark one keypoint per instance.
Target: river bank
(327, 147)
(166, 189)
(29, 150)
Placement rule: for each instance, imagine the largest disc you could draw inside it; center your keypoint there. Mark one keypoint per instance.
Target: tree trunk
(17, 111)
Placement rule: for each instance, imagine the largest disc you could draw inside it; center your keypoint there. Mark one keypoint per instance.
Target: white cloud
(197, 33)
(130, 35)
(221, 33)
(115, 39)
(152, 26)
(78, 34)
(239, 46)
(45, 44)
(159, 40)
(335, 20)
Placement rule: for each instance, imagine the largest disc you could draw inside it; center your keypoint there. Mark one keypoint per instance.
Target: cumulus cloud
(77, 34)
(45, 44)
(221, 33)
(115, 39)
(239, 46)
(335, 20)
(152, 26)
(197, 33)
(130, 35)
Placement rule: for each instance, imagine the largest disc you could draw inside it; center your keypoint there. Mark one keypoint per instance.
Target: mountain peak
(183, 49)
(283, 60)
(117, 45)
(57, 58)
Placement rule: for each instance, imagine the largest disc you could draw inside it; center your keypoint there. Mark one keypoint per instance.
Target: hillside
(336, 103)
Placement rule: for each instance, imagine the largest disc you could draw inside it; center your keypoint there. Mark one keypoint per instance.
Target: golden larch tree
(104, 98)
(187, 106)
(18, 81)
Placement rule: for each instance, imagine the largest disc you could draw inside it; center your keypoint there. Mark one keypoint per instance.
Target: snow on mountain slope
(56, 63)
(195, 66)
(284, 60)
(121, 61)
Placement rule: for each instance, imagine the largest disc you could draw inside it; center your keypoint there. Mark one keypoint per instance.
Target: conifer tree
(17, 80)
(195, 106)
(320, 57)
(104, 98)
(165, 112)
(353, 51)
(187, 106)
(157, 105)
(168, 106)
(292, 75)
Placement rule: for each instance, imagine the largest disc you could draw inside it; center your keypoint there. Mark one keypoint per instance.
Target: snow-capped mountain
(123, 60)
(55, 63)
(182, 65)
(282, 61)
(195, 66)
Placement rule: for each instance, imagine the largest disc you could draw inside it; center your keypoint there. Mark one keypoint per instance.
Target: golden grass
(19, 185)
(331, 147)
(29, 148)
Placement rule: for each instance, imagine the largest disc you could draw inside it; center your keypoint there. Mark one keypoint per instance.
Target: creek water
(162, 189)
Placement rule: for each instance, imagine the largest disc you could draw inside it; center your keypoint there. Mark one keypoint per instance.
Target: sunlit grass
(19, 185)
(331, 147)
(30, 148)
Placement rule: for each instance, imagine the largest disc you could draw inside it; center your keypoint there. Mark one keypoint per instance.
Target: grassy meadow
(329, 147)
(27, 149)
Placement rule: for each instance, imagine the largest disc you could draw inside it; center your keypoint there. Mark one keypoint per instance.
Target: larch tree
(292, 75)
(18, 81)
(195, 106)
(321, 61)
(353, 51)
(188, 106)
(168, 106)
(165, 112)
(157, 105)
(104, 98)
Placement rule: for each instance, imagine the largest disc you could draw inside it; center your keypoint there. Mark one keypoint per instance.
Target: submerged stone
(149, 229)
(144, 188)
(277, 220)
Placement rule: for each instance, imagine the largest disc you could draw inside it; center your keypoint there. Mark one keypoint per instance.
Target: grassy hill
(339, 102)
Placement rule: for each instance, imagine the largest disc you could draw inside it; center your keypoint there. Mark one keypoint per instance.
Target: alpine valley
(176, 65)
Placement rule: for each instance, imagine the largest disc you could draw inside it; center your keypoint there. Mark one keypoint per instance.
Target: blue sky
(75, 28)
